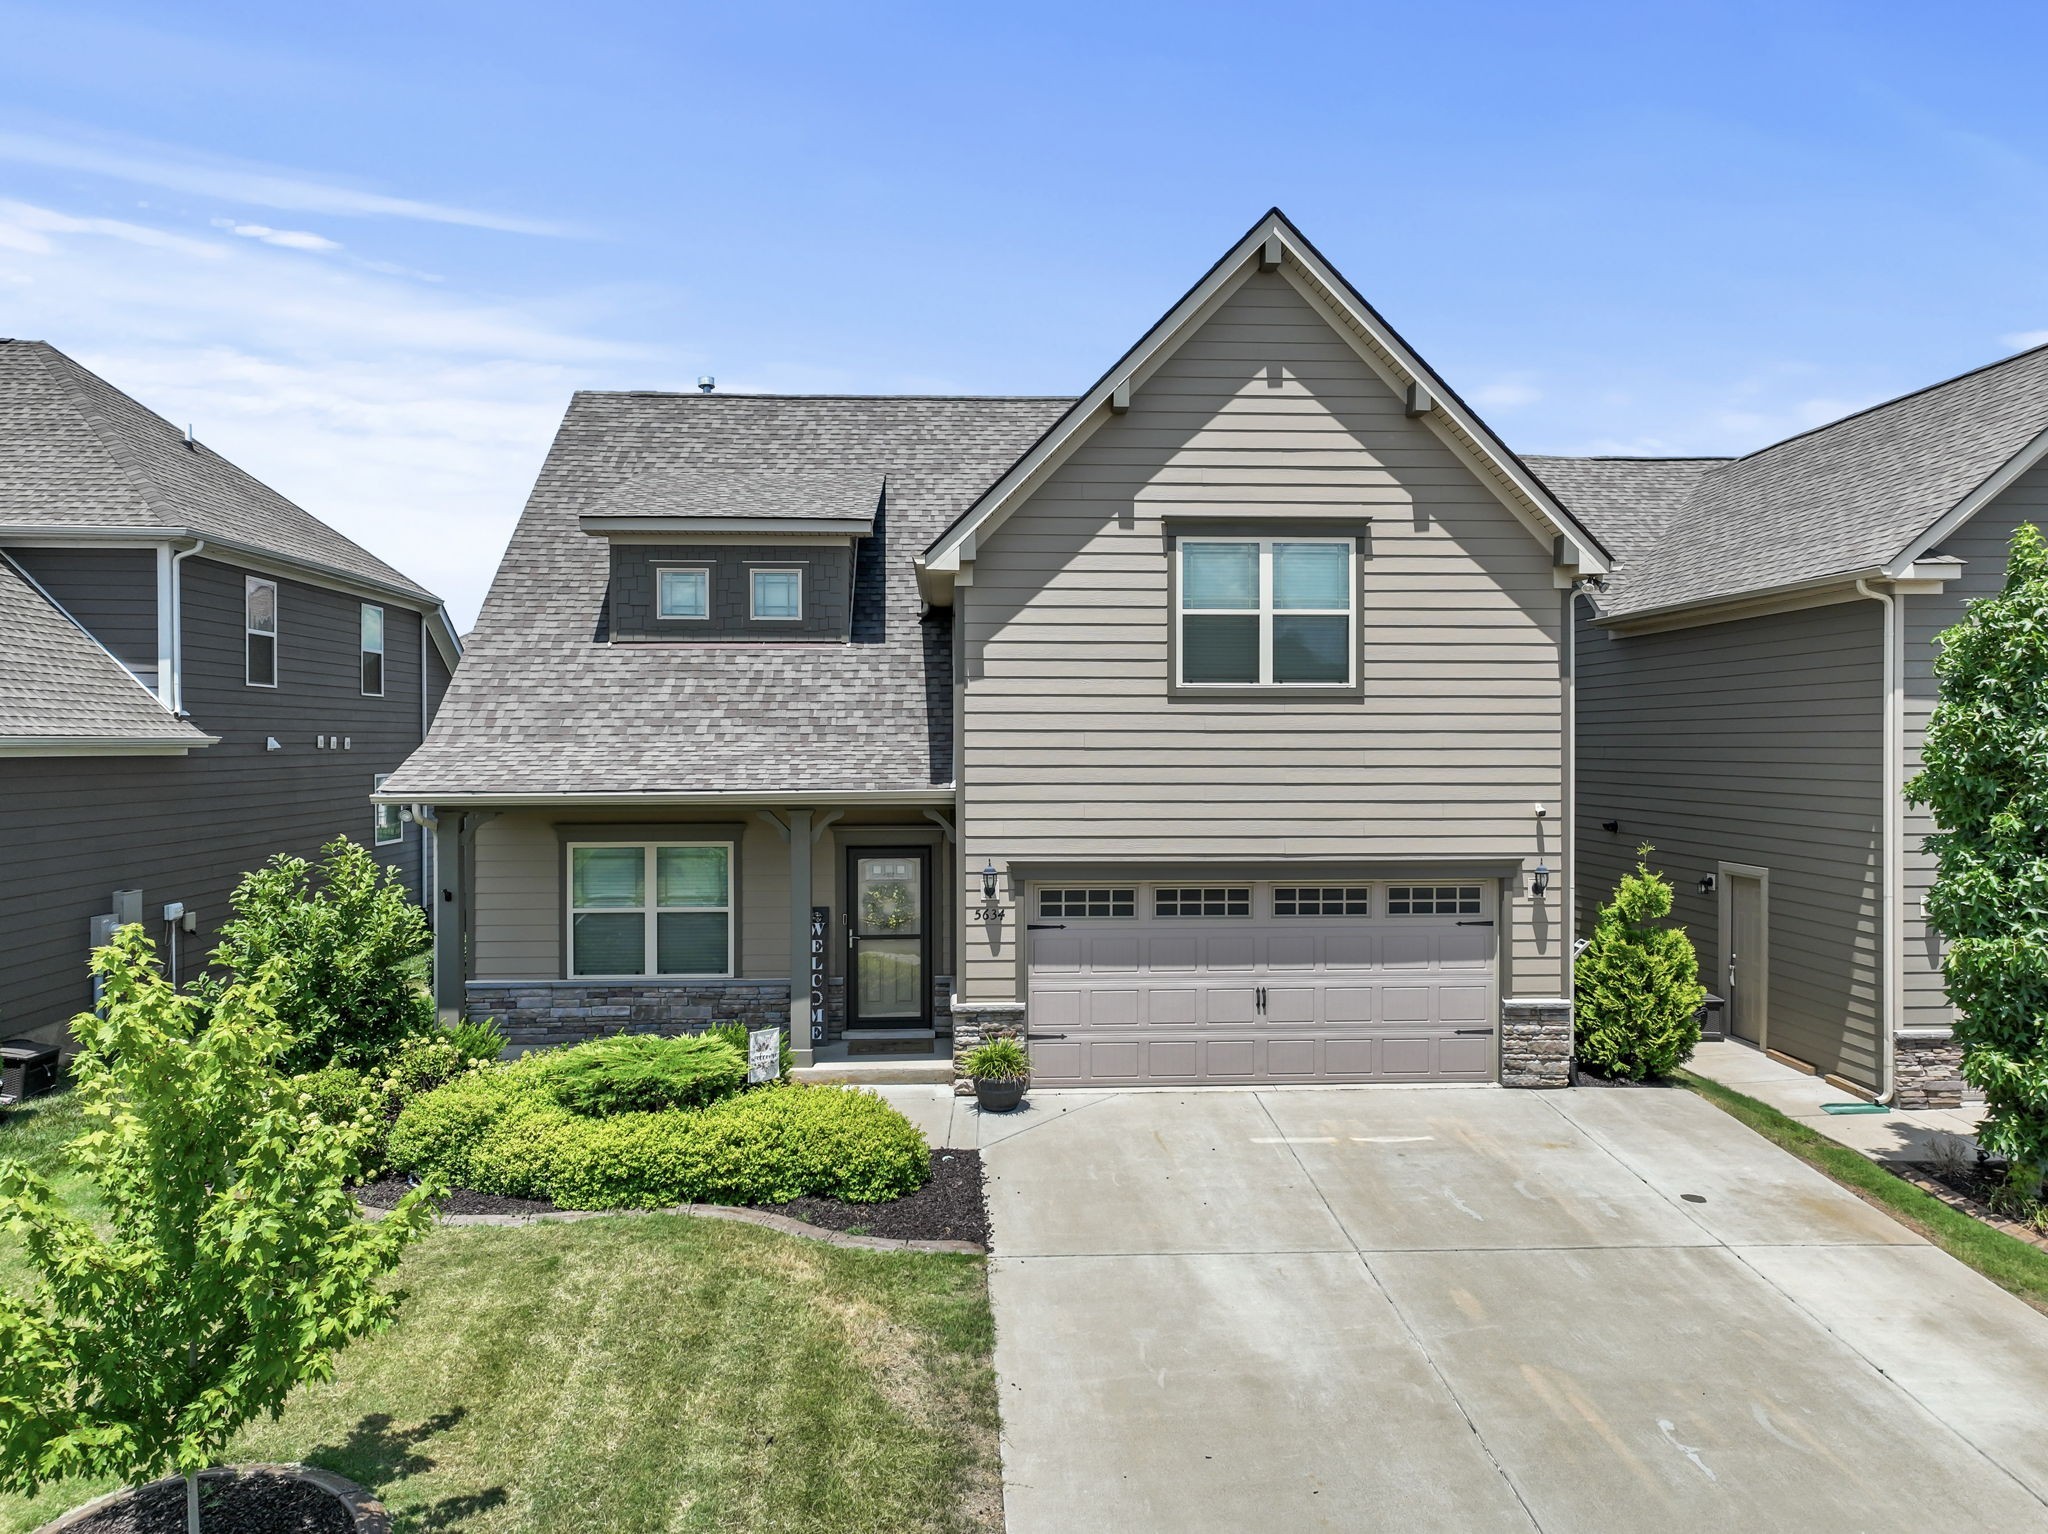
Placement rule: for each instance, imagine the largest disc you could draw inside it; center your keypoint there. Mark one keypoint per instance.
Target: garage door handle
(1045, 926)
(1483, 1032)
(1487, 923)
(1044, 1035)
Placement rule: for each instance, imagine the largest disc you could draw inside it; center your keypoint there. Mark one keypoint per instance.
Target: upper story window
(1267, 612)
(778, 595)
(259, 632)
(656, 908)
(373, 650)
(682, 593)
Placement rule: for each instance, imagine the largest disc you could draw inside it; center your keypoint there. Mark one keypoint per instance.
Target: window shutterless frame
(787, 580)
(637, 889)
(682, 593)
(373, 650)
(388, 820)
(1263, 612)
(259, 631)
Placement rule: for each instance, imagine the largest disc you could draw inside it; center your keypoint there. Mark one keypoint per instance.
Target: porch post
(800, 935)
(451, 915)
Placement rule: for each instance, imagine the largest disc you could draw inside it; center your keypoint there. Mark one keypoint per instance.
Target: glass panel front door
(888, 939)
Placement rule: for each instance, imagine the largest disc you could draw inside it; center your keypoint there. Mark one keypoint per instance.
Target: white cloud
(412, 418)
(290, 239)
(257, 185)
(2026, 340)
(1507, 394)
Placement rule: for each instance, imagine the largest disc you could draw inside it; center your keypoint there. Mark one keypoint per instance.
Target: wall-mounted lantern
(1539, 881)
(990, 910)
(1709, 884)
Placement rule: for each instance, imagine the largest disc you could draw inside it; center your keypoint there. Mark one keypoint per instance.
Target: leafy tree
(1638, 984)
(1986, 779)
(343, 947)
(234, 1265)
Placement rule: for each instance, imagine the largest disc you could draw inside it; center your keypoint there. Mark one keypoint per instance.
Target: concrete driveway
(1475, 1310)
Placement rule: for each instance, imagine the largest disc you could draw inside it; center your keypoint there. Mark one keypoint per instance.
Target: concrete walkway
(1470, 1309)
(1895, 1135)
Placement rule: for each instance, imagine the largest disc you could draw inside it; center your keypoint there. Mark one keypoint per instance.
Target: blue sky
(369, 250)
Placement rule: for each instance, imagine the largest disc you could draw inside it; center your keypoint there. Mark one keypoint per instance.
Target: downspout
(175, 591)
(1892, 841)
(1568, 808)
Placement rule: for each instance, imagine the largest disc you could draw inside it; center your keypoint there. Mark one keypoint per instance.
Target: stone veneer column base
(538, 1014)
(976, 1021)
(1928, 1072)
(1535, 1042)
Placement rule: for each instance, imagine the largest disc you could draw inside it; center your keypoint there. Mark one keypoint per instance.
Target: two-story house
(195, 674)
(1211, 725)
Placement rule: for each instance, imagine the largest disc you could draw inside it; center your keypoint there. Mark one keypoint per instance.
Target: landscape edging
(369, 1514)
(781, 1222)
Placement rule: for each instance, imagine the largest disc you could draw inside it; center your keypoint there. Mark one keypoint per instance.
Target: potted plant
(1000, 1071)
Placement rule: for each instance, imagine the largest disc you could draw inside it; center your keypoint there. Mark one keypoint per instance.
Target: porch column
(800, 935)
(451, 915)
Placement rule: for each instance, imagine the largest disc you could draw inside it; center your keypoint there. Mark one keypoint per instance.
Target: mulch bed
(257, 1503)
(949, 1207)
(1969, 1188)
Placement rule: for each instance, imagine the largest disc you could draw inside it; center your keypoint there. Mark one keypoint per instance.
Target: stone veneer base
(1535, 1042)
(539, 1014)
(977, 1021)
(1928, 1073)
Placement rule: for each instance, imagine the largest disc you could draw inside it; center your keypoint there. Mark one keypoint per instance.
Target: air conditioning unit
(27, 1069)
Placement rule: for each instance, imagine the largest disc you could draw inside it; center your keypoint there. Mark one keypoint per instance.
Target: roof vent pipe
(190, 440)
(707, 383)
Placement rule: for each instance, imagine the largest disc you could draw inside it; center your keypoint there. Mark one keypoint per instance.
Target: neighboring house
(1211, 725)
(197, 674)
(1753, 683)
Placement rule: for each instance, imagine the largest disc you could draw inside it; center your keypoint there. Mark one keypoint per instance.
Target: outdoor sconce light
(1709, 884)
(989, 910)
(1539, 882)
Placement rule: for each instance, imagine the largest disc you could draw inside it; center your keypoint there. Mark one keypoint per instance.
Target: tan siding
(1759, 741)
(1981, 544)
(1072, 747)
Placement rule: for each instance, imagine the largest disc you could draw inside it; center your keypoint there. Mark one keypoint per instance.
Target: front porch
(564, 923)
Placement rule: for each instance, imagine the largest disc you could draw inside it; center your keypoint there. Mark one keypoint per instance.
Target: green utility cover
(1854, 1108)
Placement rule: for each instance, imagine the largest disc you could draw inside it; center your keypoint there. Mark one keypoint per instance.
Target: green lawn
(2013, 1265)
(643, 1373)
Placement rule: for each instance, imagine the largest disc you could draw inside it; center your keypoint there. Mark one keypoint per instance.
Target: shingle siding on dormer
(827, 597)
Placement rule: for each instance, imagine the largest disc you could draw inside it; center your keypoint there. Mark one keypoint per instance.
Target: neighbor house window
(1323, 900)
(1267, 612)
(1088, 902)
(373, 650)
(1433, 900)
(259, 625)
(778, 595)
(1235, 900)
(389, 825)
(683, 594)
(661, 908)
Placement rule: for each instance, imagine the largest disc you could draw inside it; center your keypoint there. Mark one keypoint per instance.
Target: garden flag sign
(764, 1055)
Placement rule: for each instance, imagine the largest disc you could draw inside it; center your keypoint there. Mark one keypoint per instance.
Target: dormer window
(778, 595)
(684, 593)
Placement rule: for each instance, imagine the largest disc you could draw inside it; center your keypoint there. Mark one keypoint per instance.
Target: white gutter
(1893, 842)
(175, 589)
(735, 798)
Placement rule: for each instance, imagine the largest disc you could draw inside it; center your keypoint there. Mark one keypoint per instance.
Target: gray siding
(827, 591)
(1074, 748)
(187, 828)
(1981, 544)
(112, 592)
(1757, 741)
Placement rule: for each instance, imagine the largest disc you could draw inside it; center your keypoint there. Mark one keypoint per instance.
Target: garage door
(1145, 983)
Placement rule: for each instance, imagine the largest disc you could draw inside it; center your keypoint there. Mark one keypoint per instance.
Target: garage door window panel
(1267, 612)
(1433, 900)
(1208, 900)
(1323, 900)
(1097, 903)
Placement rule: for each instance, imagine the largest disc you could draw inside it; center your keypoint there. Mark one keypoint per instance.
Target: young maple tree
(1985, 777)
(234, 1264)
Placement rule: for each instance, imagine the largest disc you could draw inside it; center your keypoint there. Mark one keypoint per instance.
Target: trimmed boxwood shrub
(502, 1130)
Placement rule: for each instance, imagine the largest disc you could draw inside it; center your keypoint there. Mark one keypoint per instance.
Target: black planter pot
(999, 1096)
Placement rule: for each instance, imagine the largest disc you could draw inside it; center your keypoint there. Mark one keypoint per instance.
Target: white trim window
(650, 908)
(776, 596)
(1268, 612)
(682, 593)
(373, 650)
(388, 825)
(259, 631)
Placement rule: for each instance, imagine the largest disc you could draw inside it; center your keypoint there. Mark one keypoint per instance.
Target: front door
(1748, 958)
(887, 896)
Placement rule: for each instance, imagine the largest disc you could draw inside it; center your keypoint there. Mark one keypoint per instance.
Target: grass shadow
(378, 1454)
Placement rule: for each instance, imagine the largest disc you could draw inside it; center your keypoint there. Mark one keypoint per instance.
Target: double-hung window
(650, 908)
(259, 632)
(373, 650)
(777, 595)
(682, 593)
(1267, 612)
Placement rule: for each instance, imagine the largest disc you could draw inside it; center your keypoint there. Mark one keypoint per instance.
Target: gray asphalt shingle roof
(75, 452)
(541, 706)
(58, 685)
(825, 494)
(1847, 497)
